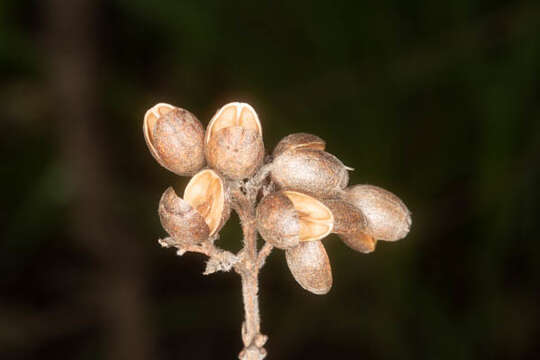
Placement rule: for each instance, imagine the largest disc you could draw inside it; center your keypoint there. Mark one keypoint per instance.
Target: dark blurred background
(436, 101)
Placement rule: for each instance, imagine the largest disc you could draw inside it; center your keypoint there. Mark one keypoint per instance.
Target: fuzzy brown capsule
(174, 137)
(297, 141)
(181, 220)
(233, 141)
(310, 267)
(388, 217)
(351, 226)
(287, 218)
(200, 214)
(309, 170)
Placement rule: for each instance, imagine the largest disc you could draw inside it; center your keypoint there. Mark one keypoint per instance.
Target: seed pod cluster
(233, 148)
(306, 197)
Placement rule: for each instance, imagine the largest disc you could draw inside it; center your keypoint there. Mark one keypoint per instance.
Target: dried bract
(297, 141)
(233, 141)
(313, 171)
(175, 138)
(351, 226)
(310, 267)
(287, 218)
(388, 217)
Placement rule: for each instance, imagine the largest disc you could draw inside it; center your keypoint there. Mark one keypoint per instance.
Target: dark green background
(436, 101)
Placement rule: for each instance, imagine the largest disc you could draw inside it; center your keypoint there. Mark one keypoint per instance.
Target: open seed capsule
(351, 226)
(310, 267)
(388, 217)
(200, 214)
(286, 218)
(297, 141)
(207, 193)
(181, 220)
(175, 138)
(309, 170)
(233, 141)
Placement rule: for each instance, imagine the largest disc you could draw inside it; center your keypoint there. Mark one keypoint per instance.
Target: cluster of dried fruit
(307, 197)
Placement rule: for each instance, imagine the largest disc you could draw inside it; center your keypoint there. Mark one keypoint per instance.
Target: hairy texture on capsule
(184, 223)
(388, 217)
(299, 140)
(313, 171)
(310, 267)
(351, 226)
(175, 138)
(236, 152)
(277, 221)
(347, 218)
(233, 141)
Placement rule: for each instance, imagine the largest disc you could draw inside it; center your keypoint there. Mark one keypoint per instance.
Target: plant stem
(248, 269)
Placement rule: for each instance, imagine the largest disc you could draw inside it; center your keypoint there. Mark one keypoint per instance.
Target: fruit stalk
(248, 269)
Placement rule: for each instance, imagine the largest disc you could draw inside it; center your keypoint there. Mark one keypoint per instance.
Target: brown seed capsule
(297, 141)
(207, 193)
(181, 220)
(310, 267)
(233, 141)
(286, 218)
(201, 213)
(388, 217)
(351, 226)
(175, 138)
(313, 171)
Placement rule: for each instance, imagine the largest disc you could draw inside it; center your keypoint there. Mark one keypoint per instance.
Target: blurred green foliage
(436, 101)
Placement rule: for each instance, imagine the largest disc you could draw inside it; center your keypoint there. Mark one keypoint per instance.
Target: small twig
(219, 259)
(243, 203)
(263, 254)
(255, 183)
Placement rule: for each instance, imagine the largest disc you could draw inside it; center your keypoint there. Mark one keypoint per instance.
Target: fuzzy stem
(248, 268)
